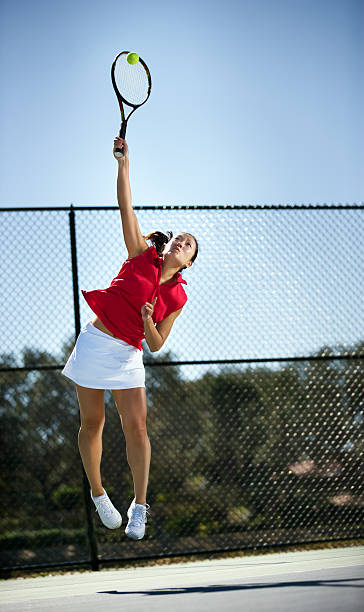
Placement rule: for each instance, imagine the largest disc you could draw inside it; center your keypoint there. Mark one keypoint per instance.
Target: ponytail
(159, 240)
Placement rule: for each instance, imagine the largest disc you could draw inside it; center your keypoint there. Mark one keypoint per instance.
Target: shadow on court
(214, 588)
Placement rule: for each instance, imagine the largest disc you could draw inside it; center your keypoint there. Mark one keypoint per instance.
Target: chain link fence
(255, 402)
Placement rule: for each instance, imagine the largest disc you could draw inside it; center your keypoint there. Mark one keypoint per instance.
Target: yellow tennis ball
(132, 58)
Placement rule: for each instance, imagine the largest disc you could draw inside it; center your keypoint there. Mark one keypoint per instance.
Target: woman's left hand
(148, 309)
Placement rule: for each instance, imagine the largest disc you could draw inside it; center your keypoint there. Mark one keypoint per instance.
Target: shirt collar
(180, 279)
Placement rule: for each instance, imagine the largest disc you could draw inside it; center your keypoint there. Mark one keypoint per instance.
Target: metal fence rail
(255, 404)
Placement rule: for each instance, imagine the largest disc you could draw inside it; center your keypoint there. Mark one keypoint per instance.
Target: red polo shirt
(118, 306)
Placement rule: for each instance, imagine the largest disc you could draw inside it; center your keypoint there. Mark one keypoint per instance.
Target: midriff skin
(99, 324)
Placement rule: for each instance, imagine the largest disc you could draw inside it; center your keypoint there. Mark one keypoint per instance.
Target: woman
(143, 301)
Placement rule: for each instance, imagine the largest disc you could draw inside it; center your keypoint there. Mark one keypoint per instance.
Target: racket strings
(131, 80)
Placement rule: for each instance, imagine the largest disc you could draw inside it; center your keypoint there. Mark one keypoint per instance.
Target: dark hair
(159, 240)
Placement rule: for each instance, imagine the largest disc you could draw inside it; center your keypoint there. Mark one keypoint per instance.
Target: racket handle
(119, 151)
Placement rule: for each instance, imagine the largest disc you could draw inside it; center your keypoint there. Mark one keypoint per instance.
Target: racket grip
(119, 151)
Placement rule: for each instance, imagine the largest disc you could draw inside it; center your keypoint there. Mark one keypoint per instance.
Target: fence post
(86, 487)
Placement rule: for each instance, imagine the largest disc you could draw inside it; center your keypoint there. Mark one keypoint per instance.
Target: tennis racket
(132, 84)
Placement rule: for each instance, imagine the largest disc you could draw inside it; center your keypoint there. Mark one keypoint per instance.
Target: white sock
(100, 496)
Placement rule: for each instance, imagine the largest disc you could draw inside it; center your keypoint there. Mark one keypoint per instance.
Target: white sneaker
(137, 515)
(107, 512)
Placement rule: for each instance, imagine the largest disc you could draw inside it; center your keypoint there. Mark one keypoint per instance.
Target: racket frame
(121, 99)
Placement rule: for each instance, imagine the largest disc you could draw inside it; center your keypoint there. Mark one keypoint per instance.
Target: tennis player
(143, 301)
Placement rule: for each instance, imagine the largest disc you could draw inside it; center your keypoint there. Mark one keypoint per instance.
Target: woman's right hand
(120, 143)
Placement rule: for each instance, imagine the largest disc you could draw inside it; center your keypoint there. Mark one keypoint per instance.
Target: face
(181, 249)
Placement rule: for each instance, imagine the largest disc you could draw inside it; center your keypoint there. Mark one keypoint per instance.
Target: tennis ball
(132, 58)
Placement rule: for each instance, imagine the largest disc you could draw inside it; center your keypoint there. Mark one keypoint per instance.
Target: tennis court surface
(306, 581)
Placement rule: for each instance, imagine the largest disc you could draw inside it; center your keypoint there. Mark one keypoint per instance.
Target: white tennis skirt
(100, 361)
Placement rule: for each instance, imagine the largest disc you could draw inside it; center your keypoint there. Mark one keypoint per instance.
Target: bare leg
(92, 412)
(132, 408)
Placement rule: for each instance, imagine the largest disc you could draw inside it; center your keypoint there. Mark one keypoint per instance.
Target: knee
(92, 426)
(136, 429)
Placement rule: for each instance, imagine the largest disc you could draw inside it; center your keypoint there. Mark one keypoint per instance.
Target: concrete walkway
(308, 581)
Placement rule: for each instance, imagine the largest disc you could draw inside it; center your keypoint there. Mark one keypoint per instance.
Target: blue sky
(253, 101)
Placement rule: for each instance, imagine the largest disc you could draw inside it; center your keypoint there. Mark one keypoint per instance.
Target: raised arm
(134, 240)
